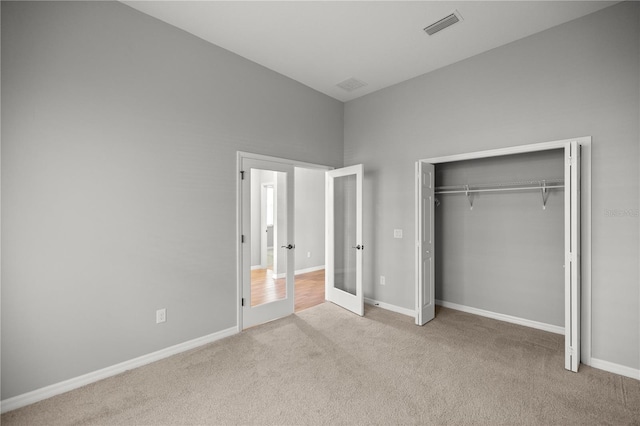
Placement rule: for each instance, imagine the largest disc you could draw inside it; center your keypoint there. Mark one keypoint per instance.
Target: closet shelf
(536, 185)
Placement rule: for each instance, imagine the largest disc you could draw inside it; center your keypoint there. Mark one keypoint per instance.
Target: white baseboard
(301, 271)
(502, 317)
(390, 307)
(307, 270)
(77, 382)
(615, 368)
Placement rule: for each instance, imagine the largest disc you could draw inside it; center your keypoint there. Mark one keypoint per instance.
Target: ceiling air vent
(351, 84)
(445, 22)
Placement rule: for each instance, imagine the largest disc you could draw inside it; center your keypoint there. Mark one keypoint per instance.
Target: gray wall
(119, 140)
(507, 253)
(578, 79)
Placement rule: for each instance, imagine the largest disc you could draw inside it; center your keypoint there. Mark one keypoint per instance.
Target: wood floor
(309, 289)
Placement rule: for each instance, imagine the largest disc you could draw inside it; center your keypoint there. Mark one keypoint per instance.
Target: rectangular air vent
(351, 84)
(445, 22)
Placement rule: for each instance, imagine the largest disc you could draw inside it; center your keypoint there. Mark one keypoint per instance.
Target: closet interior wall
(502, 251)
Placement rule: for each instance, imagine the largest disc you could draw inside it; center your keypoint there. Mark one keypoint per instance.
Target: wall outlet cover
(161, 315)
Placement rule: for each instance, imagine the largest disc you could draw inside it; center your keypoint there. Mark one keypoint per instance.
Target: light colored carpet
(325, 365)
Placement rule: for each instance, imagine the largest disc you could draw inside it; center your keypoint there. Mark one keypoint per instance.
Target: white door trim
(585, 231)
(240, 155)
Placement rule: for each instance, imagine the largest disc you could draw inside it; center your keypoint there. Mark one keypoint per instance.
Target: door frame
(584, 236)
(240, 155)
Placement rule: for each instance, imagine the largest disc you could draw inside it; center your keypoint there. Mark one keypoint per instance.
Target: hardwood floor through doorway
(309, 288)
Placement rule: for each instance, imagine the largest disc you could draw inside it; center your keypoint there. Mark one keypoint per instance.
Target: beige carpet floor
(327, 366)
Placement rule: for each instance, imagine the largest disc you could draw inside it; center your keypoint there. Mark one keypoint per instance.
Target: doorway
(576, 209)
(268, 281)
(281, 234)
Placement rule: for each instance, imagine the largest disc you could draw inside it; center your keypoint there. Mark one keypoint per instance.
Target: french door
(267, 289)
(344, 245)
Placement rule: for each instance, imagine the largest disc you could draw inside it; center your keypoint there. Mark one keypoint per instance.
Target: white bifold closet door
(425, 267)
(572, 253)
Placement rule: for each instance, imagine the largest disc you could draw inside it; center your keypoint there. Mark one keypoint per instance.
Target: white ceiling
(322, 43)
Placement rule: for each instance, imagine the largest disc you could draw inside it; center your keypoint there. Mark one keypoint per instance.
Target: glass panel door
(344, 238)
(268, 245)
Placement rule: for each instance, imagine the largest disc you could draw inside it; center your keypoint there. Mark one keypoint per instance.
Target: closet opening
(498, 234)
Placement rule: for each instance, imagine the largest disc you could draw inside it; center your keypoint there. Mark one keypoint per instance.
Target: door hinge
(242, 239)
(241, 174)
(242, 301)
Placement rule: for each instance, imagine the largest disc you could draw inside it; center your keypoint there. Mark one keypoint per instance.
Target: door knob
(288, 246)
(359, 247)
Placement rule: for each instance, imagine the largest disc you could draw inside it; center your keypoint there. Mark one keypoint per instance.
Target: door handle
(359, 247)
(289, 246)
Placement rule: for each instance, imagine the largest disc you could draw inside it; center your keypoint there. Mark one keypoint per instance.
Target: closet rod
(522, 188)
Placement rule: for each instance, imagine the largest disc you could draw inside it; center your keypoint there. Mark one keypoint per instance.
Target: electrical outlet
(397, 233)
(308, 254)
(382, 280)
(161, 315)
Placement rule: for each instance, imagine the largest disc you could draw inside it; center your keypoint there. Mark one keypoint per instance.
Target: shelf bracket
(545, 194)
(469, 196)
